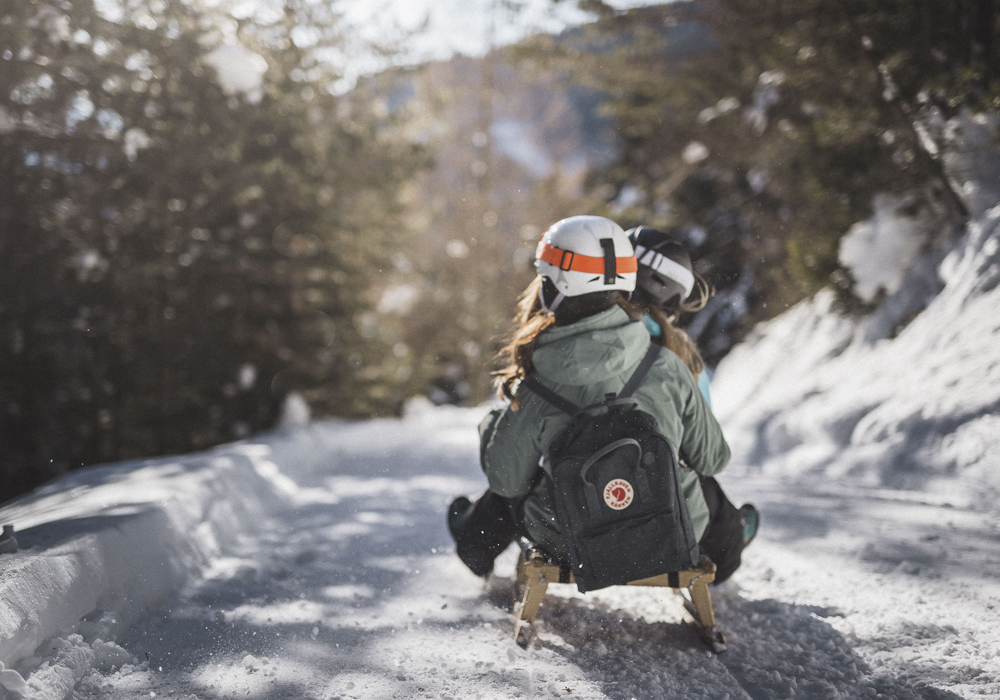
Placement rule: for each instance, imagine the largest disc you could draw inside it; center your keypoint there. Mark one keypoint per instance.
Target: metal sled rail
(535, 572)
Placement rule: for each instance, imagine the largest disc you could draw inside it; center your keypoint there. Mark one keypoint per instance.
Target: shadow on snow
(776, 650)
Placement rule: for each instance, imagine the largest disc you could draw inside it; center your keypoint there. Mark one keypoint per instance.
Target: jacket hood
(594, 349)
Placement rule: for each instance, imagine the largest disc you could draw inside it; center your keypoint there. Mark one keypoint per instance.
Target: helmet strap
(610, 261)
(545, 293)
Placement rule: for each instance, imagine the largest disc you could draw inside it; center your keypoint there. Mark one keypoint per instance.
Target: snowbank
(904, 398)
(101, 546)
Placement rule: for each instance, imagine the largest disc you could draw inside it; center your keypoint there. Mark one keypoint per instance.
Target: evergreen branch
(891, 93)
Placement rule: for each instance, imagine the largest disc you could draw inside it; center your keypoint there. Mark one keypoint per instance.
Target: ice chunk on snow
(72, 659)
(108, 654)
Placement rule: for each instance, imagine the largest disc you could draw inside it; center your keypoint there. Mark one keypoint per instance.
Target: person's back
(582, 362)
(575, 337)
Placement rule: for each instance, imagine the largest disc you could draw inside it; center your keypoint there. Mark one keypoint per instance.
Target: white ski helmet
(584, 254)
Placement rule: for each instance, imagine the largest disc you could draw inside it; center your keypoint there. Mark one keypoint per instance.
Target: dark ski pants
(723, 538)
(489, 525)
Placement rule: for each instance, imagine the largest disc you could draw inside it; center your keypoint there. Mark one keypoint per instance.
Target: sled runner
(535, 572)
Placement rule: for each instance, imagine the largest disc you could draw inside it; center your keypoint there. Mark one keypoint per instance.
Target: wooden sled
(535, 572)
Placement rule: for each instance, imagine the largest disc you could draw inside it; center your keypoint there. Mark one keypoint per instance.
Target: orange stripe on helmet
(565, 260)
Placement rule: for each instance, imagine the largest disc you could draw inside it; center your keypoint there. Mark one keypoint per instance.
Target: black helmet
(665, 271)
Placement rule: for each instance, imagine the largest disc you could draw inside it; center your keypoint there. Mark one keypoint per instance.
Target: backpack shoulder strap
(563, 404)
(567, 406)
(640, 372)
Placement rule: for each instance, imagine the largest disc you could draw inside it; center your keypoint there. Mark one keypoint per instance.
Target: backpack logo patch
(618, 494)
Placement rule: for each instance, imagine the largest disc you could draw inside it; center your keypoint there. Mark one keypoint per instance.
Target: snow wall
(101, 546)
(907, 397)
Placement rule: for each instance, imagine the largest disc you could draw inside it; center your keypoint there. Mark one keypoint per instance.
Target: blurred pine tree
(181, 248)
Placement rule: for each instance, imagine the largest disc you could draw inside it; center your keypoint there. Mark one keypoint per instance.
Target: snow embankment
(905, 398)
(101, 546)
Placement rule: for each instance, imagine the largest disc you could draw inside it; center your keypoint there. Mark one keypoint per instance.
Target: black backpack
(616, 489)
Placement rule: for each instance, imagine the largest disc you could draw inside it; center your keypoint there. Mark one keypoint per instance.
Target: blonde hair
(703, 291)
(672, 337)
(531, 319)
(529, 322)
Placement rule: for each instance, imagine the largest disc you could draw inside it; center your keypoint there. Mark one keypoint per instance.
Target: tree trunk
(984, 31)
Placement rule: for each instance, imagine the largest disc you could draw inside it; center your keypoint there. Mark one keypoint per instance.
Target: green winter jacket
(583, 362)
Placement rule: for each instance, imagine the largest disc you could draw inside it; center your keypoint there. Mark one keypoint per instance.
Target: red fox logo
(618, 494)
